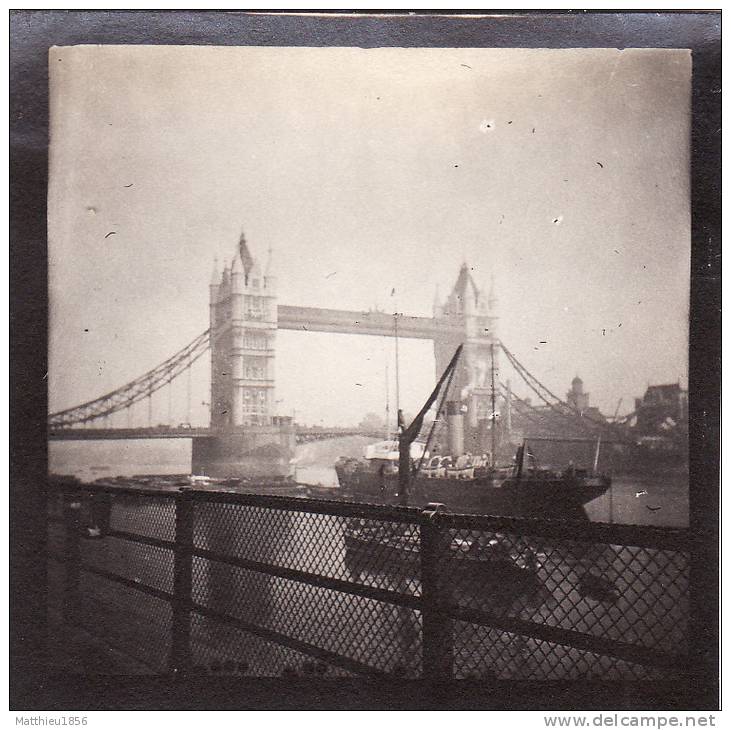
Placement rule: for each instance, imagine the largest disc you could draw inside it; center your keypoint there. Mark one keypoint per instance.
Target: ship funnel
(455, 428)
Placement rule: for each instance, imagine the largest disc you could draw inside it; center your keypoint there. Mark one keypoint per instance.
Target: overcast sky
(565, 174)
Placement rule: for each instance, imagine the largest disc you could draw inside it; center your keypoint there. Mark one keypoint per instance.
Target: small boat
(472, 559)
(199, 479)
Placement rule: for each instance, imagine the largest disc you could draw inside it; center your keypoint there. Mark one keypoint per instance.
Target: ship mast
(492, 397)
(388, 407)
(395, 331)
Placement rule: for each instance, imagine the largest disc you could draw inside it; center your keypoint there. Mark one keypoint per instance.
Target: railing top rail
(392, 513)
(671, 538)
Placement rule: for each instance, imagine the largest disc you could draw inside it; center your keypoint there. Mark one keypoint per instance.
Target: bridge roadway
(303, 435)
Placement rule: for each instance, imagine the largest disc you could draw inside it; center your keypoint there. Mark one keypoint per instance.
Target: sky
(373, 174)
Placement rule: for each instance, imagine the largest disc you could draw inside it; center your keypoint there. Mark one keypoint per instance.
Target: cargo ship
(403, 472)
(474, 487)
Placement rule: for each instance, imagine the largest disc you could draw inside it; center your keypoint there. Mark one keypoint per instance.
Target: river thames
(660, 500)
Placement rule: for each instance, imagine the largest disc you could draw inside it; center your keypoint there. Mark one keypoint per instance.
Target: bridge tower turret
(470, 319)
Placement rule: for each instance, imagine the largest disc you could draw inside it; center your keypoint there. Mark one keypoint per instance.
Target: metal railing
(193, 580)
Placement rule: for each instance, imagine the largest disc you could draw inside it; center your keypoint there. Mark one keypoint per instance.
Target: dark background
(33, 684)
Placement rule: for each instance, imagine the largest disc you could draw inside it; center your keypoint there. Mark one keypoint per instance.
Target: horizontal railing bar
(128, 582)
(647, 536)
(389, 513)
(336, 584)
(635, 653)
(290, 642)
(143, 539)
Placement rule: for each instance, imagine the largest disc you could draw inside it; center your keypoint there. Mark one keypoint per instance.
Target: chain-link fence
(200, 581)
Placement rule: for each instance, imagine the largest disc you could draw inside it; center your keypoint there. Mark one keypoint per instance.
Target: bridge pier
(254, 451)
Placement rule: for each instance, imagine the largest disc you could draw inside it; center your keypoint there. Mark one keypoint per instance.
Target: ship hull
(544, 496)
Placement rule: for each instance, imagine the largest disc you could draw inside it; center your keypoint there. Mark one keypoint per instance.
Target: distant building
(552, 421)
(579, 401)
(662, 411)
(372, 422)
(576, 397)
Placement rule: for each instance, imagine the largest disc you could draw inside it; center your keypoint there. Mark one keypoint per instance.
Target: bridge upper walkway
(313, 319)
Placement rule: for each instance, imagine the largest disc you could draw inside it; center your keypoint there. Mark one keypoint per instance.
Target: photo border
(32, 683)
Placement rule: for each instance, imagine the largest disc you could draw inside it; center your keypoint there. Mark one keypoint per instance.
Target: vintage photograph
(292, 289)
(369, 365)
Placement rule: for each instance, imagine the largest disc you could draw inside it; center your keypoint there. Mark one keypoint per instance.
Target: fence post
(72, 555)
(101, 511)
(180, 656)
(437, 649)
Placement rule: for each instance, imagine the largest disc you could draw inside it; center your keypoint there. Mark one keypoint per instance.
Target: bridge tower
(474, 314)
(251, 439)
(243, 309)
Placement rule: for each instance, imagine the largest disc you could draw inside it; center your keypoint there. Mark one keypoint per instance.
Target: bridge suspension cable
(135, 391)
(524, 408)
(553, 402)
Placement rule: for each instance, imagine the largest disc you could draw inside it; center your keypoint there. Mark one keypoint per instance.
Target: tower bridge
(246, 437)
(244, 310)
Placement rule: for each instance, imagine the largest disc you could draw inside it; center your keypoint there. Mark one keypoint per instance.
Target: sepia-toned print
(370, 362)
